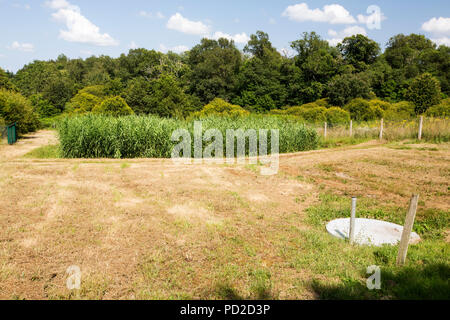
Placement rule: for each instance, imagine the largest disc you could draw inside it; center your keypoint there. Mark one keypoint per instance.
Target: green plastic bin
(12, 133)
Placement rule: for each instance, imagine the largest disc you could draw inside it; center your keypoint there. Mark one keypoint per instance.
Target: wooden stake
(352, 222)
(325, 130)
(407, 229)
(351, 128)
(381, 129)
(420, 127)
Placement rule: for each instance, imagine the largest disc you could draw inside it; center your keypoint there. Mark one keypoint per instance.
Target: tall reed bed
(96, 136)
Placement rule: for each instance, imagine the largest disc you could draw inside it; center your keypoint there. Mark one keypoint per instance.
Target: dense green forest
(259, 79)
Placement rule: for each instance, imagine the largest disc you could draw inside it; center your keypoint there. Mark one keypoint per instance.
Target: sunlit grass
(425, 276)
(45, 152)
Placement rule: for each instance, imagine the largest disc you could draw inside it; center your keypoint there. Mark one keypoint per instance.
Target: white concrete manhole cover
(370, 232)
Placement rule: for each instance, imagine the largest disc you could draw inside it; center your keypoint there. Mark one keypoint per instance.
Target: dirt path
(27, 143)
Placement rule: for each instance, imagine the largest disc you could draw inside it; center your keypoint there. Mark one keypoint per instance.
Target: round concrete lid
(370, 232)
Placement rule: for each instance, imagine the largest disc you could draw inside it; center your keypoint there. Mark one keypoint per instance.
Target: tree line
(259, 78)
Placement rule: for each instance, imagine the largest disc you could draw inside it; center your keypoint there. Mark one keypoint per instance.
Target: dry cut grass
(150, 229)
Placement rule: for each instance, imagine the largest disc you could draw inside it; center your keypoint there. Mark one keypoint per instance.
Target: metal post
(352, 221)
(381, 129)
(420, 128)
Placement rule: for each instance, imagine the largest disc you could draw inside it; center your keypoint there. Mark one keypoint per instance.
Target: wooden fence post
(407, 229)
(325, 130)
(352, 222)
(420, 128)
(351, 128)
(381, 129)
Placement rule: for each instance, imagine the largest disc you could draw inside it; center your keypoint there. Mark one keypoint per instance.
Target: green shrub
(323, 102)
(445, 101)
(223, 108)
(51, 122)
(15, 108)
(97, 90)
(361, 110)
(440, 110)
(278, 112)
(168, 98)
(314, 115)
(114, 106)
(5, 82)
(336, 116)
(381, 104)
(424, 92)
(310, 105)
(83, 102)
(402, 110)
(43, 107)
(343, 88)
(309, 112)
(99, 136)
(292, 111)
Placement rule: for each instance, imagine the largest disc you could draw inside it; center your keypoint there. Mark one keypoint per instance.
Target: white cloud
(333, 13)
(79, 28)
(25, 47)
(180, 49)
(338, 36)
(440, 28)
(22, 6)
(147, 14)
(179, 23)
(133, 45)
(272, 21)
(437, 26)
(287, 52)
(335, 41)
(347, 32)
(176, 49)
(86, 52)
(442, 41)
(238, 38)
(60, 4)
(371, 18)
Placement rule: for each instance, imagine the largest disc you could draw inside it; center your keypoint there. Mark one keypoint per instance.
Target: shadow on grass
(227, 292)
(408, 283)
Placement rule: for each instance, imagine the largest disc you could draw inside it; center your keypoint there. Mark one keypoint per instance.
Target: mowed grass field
(150, 229)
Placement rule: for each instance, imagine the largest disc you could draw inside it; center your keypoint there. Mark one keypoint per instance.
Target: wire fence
(3, 132)
(437, 129)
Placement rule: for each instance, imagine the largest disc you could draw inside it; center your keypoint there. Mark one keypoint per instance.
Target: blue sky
(40, 29)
